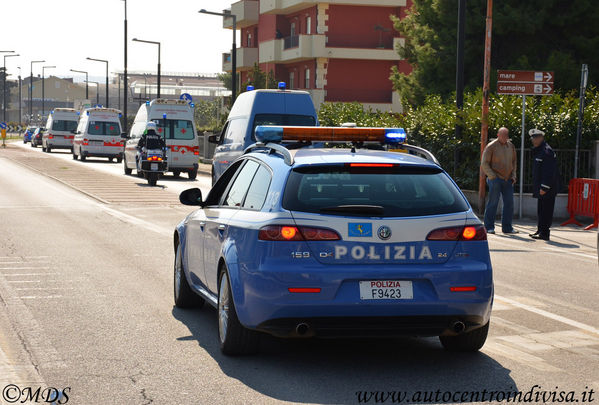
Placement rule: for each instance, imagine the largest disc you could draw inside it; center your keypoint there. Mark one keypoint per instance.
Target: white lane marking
(495, 347)
(523, 246)
(550, 315)
(552, 249)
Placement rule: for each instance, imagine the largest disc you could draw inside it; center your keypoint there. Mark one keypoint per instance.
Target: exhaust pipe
(302, 328)
(459, 327)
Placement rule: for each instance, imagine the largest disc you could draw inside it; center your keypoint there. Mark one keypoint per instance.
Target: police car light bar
(268, 133)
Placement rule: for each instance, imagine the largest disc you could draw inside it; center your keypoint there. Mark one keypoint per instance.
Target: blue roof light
(250, 88)
(266, 134)
(282, 85)
(192, 105)
(120, 115)
(147, 103)
(78, 112)
(395, 135)
(164, 116)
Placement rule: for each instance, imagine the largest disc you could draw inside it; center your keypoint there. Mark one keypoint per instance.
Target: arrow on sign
(547, 76)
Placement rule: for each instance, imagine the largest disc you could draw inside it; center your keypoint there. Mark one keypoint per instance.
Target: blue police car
(297, 241)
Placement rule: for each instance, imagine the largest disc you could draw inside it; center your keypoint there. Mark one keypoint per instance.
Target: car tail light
(303, 290)
(50, 136)
(196, 152)
(371, 165)
(85, 142)
(463, 289)
(294, 233)
(459, 233)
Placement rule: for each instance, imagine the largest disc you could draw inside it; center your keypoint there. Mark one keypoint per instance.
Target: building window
(307, 76)
(249, 43)
(292, 80)
(308, 25)
(293, 29)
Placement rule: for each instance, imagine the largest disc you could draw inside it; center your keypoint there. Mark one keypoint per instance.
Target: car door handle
(202, 225)
(221, 230)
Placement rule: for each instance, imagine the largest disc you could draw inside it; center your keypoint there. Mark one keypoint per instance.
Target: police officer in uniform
(545, 182)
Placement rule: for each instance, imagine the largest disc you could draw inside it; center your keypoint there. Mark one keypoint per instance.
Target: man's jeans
(499, 186)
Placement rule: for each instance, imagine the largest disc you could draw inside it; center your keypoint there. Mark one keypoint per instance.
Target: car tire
(140, 174)
(43, 148)
(192, 174)
(466, 342)
(152, 179)
(176, 173)
(119, 159)
(125, 168)
(74, 156)
(182, 292)
(48, 149)
(83, 157)
(233, 337)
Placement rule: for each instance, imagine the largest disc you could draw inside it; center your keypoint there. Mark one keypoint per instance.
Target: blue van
(258, 107)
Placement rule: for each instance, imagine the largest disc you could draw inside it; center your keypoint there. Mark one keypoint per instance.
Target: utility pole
(584, 74)
(459, 76)
(484, 131)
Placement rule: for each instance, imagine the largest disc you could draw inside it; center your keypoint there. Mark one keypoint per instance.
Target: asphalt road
(86, 303)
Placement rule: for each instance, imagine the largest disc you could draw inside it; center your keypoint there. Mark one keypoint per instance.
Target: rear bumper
(115, 154)
(263, 300)
(374, 326)
(182, 167)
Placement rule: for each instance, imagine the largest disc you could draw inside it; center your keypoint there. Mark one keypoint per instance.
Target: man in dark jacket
(545, 181)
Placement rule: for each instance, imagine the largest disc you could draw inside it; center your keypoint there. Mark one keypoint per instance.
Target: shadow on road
(334, 371)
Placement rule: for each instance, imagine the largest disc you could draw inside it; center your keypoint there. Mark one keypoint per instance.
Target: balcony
(246, 58)
(297, 48)
(247, 12)
(290, 6)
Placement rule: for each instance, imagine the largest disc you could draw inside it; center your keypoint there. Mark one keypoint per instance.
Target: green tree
(227, 79)
(557, 35)
(260, 79)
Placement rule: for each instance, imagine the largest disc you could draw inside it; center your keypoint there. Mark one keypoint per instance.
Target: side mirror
(124, 135)
(213, 138)
(192, 196)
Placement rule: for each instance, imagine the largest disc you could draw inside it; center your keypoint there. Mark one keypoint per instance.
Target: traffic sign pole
(521, 196)
(584, 74)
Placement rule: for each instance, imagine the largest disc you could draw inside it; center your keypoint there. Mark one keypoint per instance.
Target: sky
(65, 32)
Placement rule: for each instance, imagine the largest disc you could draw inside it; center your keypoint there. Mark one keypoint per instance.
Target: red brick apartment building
(338, 50)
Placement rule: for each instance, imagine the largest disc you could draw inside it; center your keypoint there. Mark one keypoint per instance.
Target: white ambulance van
(60, 129)
(99, 134)
(175, 122)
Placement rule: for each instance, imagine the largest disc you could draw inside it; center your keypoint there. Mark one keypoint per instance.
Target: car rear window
(104, 128)
(397, 191)
(64, 125)
(175, 129)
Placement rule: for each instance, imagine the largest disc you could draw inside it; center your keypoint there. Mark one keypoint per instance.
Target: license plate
(96, 142)
(154, 166)
(386, 290)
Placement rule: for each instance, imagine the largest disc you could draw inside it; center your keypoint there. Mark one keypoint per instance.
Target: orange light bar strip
(462, 289)
(333, 134)
(304, 290)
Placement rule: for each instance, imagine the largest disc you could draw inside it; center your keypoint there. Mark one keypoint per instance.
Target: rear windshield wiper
(375, 210)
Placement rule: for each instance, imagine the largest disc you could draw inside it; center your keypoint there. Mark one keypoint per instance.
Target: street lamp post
(106, 62)
(158, 74)
(31, 87)
(97, 91)
(233, 51)
(20, 96)
(4, 87)
(125, 95)
(119, 86)
(86, 79)
(44, 87)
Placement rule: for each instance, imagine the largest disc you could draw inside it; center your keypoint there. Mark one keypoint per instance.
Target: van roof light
(250, 88)
(282, 85)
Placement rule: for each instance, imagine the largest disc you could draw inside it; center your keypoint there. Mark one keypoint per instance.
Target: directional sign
(3, 125)
(532, 89)
(524, 76)
(186, 97)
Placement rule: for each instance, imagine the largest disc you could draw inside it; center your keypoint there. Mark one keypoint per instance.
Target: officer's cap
(533, 133)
